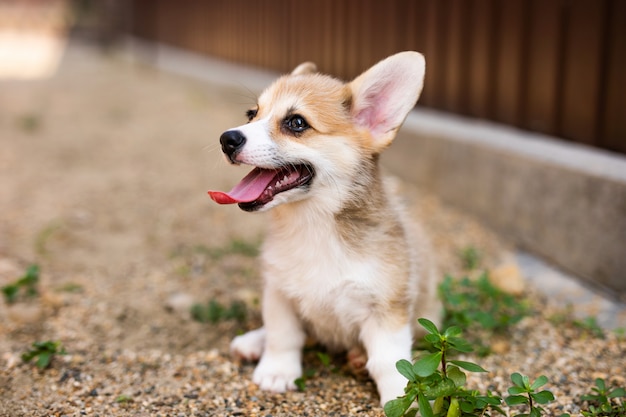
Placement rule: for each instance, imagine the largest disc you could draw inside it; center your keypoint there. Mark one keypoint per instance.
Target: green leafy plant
(477, 305)
(604, 401)
(524, 392)
(44, 352)
(124, 399)
(587, 325)
(435, 377)
(70, 287)
(26, 285)
(197, 259)
(324, 358)
(590, 325)
(301, 381)
(470, 257)
(214, 312)
(309, 373)
(437, 383)
(467, 302)
(235, 247)
(30, 122)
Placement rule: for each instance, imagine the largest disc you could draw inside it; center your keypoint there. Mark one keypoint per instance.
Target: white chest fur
(332, 287)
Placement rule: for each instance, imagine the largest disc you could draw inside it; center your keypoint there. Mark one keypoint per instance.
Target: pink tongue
(249, 189)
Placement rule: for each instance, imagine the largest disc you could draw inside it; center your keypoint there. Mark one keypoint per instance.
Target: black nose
(232, 141)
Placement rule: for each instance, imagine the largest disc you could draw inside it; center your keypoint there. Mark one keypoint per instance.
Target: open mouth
(261, 185)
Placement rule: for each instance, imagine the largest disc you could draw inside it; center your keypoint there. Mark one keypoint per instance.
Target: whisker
(215, 165)
(212, 147)
(249, 95)
(252, 95)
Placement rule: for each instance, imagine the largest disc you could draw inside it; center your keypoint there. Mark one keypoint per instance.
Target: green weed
(124, 399)
(523, 392)
(70, 287)
(590, 325)
(309, 373)
(44, 352)
(476, 305)
(436, 378)
(25, 286)
(301, 381)
(29, 123)
(470, 257)
(235, 247)
(214, 311)
(43, 237)
(436, 384)
(604, 401)
(196, 258)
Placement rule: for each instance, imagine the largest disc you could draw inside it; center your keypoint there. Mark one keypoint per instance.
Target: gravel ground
(104, 171)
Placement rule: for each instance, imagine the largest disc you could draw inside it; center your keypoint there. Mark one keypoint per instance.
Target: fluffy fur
(341, 261)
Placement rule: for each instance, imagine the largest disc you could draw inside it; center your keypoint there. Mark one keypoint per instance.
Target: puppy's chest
(334, 302)
(332, 289)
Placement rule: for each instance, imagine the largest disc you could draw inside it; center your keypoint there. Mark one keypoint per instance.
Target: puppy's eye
(296, 123)
(251, 114)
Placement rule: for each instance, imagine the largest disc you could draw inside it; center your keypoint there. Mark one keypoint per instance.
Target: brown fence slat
(614, 126)
(509, 64)
(582, 72)
(416, 37)
(480, 64)
(455, 71)
(435, 53)
(543, 65)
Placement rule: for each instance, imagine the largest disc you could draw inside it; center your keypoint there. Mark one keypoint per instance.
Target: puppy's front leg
(384, 348)
(280, 363)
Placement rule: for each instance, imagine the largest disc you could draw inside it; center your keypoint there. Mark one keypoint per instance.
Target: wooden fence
(552, 66)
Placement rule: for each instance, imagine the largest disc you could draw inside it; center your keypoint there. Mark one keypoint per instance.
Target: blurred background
(551, 66)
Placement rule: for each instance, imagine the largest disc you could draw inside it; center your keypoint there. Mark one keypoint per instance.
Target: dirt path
(104, 170)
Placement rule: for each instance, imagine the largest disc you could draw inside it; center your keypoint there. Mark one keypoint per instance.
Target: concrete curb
(561, 201)
(563, 291)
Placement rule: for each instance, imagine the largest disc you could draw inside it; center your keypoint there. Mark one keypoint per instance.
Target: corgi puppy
(341, 261)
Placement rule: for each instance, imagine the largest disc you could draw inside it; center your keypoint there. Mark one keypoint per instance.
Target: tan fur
(321, 99)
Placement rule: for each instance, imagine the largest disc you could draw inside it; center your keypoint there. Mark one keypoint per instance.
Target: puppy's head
(309, 133)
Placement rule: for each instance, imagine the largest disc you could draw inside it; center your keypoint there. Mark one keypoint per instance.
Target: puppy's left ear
(383, 95)
(305, 68)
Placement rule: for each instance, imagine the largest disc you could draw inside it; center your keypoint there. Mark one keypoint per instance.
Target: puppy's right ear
(305, 68)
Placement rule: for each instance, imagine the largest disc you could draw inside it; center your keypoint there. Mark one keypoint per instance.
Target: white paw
(384, 349)
(390, 386)
(278, 372)
(249, 346)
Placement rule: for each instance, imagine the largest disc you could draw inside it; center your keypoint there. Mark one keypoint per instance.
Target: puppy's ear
(305, 68)
(383, 95)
